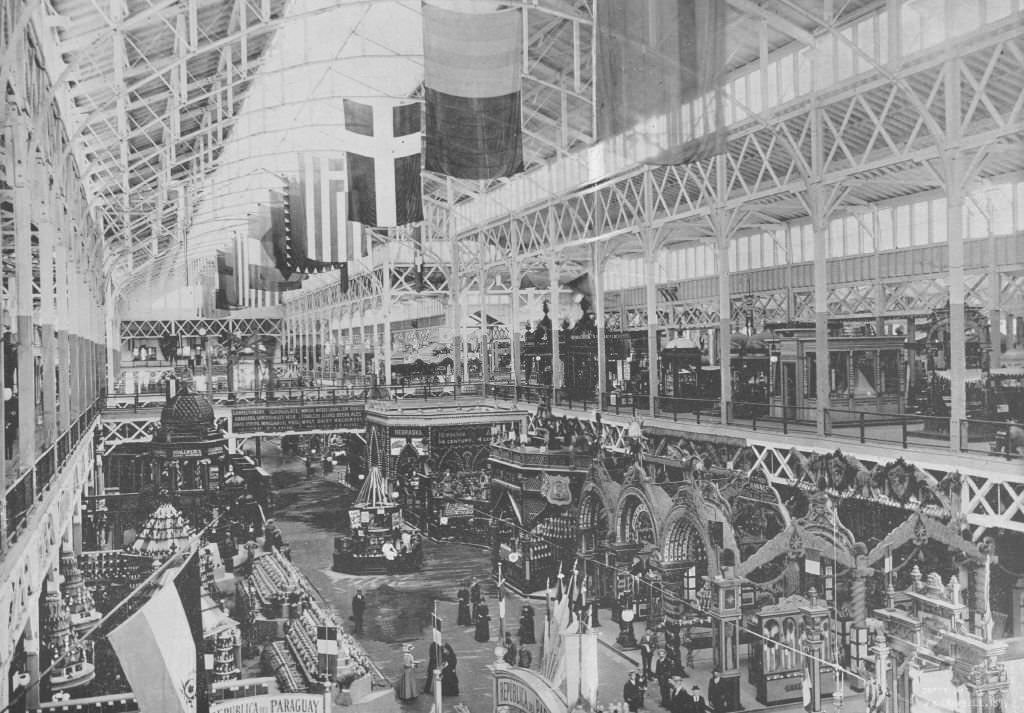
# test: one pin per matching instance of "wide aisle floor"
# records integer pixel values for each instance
(311, 512)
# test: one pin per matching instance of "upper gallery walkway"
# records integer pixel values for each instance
(989, 484)
(972, 437)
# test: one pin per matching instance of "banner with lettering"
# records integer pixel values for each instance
(275, 703)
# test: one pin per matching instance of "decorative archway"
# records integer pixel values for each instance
(635, 522)
(593, 523)
(685, 542)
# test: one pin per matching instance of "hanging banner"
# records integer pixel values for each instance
(277, 703)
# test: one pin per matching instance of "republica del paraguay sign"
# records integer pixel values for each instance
(277, 703)
(522, 690)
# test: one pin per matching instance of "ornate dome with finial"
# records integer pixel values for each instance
(186, 416)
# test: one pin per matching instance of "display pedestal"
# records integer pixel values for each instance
(357, 691)
(380, 701)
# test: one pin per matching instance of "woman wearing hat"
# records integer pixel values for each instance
(406, 688)
(465, 618)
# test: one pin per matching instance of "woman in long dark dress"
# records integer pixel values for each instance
(526, 627)
(464, 614)
(483, 624)
(433, 662)
(449, 678)
(476, 596)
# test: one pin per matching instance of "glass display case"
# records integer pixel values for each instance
(777, 665)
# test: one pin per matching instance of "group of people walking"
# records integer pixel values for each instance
(675, 696)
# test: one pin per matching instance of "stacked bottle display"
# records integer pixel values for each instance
(280, 663)
(225, 662)
(303, 647)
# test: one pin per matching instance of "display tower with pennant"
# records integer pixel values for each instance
(378, 538)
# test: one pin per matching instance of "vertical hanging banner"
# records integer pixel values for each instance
(472, 76)
(319, 235)
(660, 69)
(266, 229)
(227, 280)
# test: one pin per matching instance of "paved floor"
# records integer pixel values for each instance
(310, 512)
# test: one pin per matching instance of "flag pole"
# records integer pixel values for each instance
(435, 640)
(501, 606)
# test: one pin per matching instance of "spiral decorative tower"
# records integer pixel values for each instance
(71, 659)
(76, 594)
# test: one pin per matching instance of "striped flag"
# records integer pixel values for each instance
(435, 623)
(383, 163)
(319, 236)
(327, 648)
(472, 76)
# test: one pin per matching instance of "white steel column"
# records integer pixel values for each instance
(823, 385)
(955, 175)
(483, 350)
(386, 309)
(24, 168)
(816, 205)
(723, 228)
(597, 260)
(515, 346)
(62, 321)
(556, 327)
(995, 288)
(722, 238)
(47, 312)
(651, 292)
(454, 283)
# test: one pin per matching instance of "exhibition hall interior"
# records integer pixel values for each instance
(512, 356)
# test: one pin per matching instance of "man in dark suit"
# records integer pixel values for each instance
(633, 692)
(693, 702)
(678, 697)
(358, 608)
(718, 699)
(662, 670)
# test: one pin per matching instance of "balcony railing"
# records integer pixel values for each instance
(540, 457)
(901, 430)
(25, 490)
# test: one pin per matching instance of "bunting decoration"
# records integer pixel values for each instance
(472, 76)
